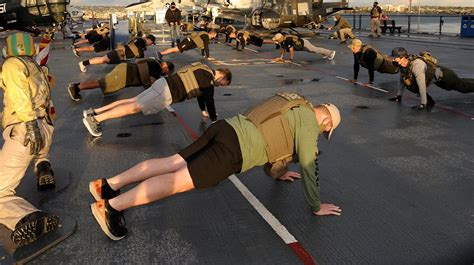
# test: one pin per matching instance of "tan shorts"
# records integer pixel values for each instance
(155, 98)
(115, 80)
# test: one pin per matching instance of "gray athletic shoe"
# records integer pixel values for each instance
(333, 54)
(88, 113)
(92, 126)
(82, 67)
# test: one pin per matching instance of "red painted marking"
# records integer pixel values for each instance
(188, 129)
(297, 248)
(304, 256)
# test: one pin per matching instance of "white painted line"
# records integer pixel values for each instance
(360, 84)
(255, 51)
(266, 215)
(296, 64)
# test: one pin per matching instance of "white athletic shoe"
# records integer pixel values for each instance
(82, 67)
(76, 53)
(333, 54)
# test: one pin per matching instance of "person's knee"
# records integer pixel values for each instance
(135, 106)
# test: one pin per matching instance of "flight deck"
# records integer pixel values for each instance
(403, 178)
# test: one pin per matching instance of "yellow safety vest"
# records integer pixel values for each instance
(38, 105)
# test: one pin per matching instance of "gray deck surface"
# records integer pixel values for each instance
(404, 179)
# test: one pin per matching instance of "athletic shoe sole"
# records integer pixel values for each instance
(31, 231)
(93, 191)
(90, 129)
(100, 220)
(46, 182)
(82, 67)
(71, 94)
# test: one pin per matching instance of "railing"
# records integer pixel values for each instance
(414, 24)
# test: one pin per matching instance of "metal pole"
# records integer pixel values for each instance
(409, 25)
(353, 18)
(419, 11)
(163, 31)
(441, 22)
(360, 22)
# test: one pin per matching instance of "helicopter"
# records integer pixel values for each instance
(274, 14)
(28, 15)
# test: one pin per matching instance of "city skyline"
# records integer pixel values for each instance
(355, 3)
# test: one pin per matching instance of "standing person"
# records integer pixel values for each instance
(173, 17)
(27, 133)
(198, 40)
(269, 134)
(293, 43)
(375, 18)
(418, 71)
(341, 28)
(134, 49)
(140, 73)
(195, 80)
(368, 57)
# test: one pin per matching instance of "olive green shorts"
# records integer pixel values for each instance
(115, 80)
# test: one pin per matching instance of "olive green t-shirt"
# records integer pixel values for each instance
(304, 128)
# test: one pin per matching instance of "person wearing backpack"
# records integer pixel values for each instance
(269, 134)
(418, 71)
(194, 80)
(292, 43)
(368, 57)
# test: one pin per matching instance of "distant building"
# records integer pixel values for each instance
(402, 8)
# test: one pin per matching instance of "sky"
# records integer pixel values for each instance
(466, 3)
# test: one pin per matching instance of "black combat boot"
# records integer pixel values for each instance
(45, 176)
(32, 227)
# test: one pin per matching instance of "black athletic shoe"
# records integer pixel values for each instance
(101, 190)
(396, 99)
(111, 221)
(44, 176)
(73, 91)
(419, 107)
(32, 227)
